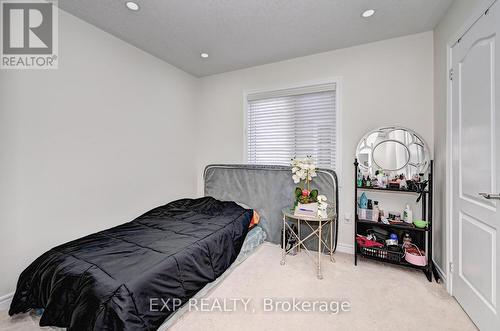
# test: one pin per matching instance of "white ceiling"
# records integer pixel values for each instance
(244, 33)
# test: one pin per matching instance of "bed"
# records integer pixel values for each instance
(106, 281)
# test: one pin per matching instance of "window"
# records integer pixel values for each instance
(293, 123)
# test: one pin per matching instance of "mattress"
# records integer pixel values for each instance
(106, 281)
(255, 237)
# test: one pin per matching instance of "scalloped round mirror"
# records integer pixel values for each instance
(393, 150)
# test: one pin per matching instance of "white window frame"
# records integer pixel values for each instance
(338, 108)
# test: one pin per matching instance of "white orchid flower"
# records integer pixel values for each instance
(303, 169)
(321, 198)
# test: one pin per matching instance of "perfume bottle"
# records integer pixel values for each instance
(408, 215)
(359, 178)
(376, 212)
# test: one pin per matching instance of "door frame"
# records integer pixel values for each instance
(476, 15)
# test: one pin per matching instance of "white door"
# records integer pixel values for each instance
(476, 169)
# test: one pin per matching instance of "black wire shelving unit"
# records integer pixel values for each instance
(422, 236)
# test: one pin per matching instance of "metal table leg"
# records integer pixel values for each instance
(320, 276)
(332, 259)
(283, 254)
(300, 244)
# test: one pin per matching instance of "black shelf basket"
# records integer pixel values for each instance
(383, 254)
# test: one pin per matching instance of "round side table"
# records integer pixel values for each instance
(310, 221)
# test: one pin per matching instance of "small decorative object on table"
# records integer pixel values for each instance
(307, 202)
(322, 206)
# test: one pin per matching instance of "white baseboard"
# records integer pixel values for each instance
(5, 301)
(345, 248)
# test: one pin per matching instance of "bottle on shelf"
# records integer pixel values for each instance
(406, 240)
(359, 178)
(376, 212)
(408, 215)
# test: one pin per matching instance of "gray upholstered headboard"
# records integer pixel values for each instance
(265, 188)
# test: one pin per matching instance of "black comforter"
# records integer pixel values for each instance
(119, 279)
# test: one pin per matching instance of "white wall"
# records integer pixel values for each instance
(383, 83)
(101, 140)
(456, 17)
(93, 144)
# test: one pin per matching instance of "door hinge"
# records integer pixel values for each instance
(451, 74)
(452, 268)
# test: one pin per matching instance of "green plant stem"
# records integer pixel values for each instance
(307, 180)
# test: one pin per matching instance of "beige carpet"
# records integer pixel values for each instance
(382, 297)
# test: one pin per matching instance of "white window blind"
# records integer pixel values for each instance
(291, 123)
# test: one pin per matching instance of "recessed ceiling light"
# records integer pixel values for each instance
(368, 13)
(132, 5)
(204, 55)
